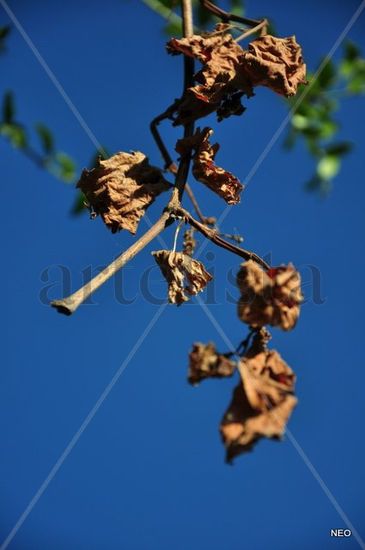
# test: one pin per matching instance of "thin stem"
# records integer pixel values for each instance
(262, 25)
(71, 303)
(226, 16)
(213, 235)
(204, 219)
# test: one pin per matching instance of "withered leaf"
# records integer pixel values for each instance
(219, 79)
(229, 71)
(242, 425)
(276, 63)
(222, 182)
(266, 379)
(269, 297)
(206, 362)
(121, 188)
(178, 268)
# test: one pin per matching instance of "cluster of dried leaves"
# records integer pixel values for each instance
(121, 188)
(229, 71)
(263, 400)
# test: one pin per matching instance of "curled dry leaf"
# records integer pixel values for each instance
(206, 362)
(262, 403)
(266, 379)
(276, 63)
(220, 81)
(222, 182)
(242, 426)
(229, 72)
(121, 188)
(269, 297)
(177, 268)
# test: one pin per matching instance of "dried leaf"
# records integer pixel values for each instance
(206, 362)
(242, 426)
(177, 267)
(219, 79)
(229, 72)
(222, 182)
(269, 297)
(121, 188)
(276, 63)
(266, 379)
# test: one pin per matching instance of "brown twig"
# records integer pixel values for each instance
(208, 220)
(261, 26)
(214, 236)
(71, 303)
(226, 16)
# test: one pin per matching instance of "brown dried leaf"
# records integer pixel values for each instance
(121, 188)
(222, 182)
(229, 72)
(242, 426)
(269, 297)
(177, 267)
(276, 63)
(219, 79)
(206, 362)
(266, 379)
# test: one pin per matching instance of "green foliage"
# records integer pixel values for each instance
(4, 32)
(314, 120)
(8, 108)
(46, 138)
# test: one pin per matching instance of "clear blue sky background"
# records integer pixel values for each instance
(149, 472)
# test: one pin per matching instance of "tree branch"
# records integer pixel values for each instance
(213, 235)
(71, 303)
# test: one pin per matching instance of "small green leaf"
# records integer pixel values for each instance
(351, 51)
(300, 122)
(46, 138)
(66, 166)
(327, 129)
(328, 167)
(15, 134)
(339, 149)
(8, 108)
(78, 206)
(4, 31)
(327, 75)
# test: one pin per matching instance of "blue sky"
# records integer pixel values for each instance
(149, 471)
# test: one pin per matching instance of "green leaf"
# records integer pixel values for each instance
(327, 129)
(300, 122)
(339, 149)
(174, 28)
(78, 206)
(15, 134)
(237, 7)
(351, 51)
(4, 31)
(328, 167)
(66, 167)
(327, 75)
(46, 138)
(8, 108)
